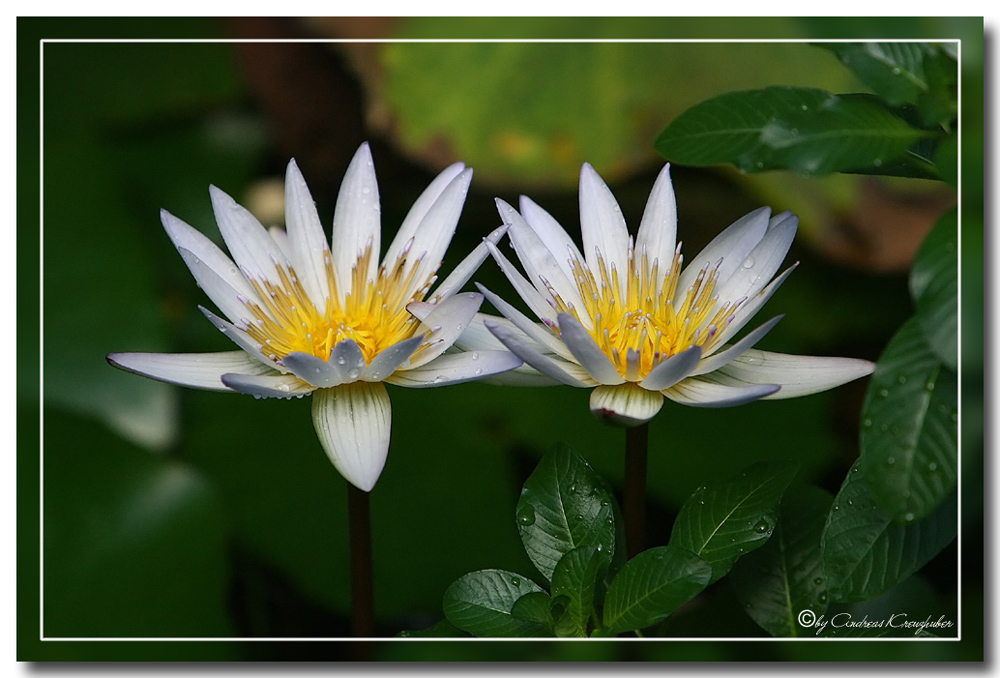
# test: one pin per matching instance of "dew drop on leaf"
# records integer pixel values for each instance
(761, 527)
(526, 515)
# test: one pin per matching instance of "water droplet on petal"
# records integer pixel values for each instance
(748, 262)
(475, 355)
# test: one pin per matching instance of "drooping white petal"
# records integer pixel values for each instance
(455, 368)
(798, 375)
(730, 353)
(185, 237)
(240, 338)
(195, 370)
(732, 246)
(586, 352)
(657, 236)
(672, 370)
(625, 405)
(226, 298)
(761, 263)
(602, 226)
(552, 234)
(704, 391)
(356, 220)
(390, 359)
(538, 304)
(248, 241)
(562, 371)
(283, 386)
(468, 266)
(749, 308)
(539, 334)
(307, 243)
(419, 210)
(353, 422)
(311, 369)
(445, 323)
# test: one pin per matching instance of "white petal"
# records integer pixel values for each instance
(523, 376)
(707, 392)
(761, 263)
(353, 423)
(468, 266)
(732, 246)
(226, 298)
(446, 322)
(419, 210)
(539, 334)
(552, 234)
(240, 338)
(538, 304)
(477, 338)
(347, 358)
(284, 386)
(356, 220)
(717, 360)
(248, 241)
(307, 243)
(560, 370)
(186, 237)
(587, 352)
(625, 405)
(657, 236)
(602, 226)
(309, 368)
(750, 307)
(672, 370)
(454, 368)
(390, 359)
(798, 375)
(195, 370)
(540, 264)
(280, 239)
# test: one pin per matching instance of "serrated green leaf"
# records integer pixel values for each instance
(564, 504)
(443, 629)
(804, 130)
(720, 523)
(482, 603)
(576, 578)
(934, 286)
(865, 553)
(909, 431)
(785, 577)
(652, 585)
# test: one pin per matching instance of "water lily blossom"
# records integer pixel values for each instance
(324, 318)
(625, 319)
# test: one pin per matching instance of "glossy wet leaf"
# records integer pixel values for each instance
(575, 580)
(534, 607)
(777, 582)
(909, 431)
(721, 522)
(934, 286)
(809, 131)
(481, 603)
(894, 70)
(564, 504)
(652, 585)
(866, 553)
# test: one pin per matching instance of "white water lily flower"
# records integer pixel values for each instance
(312, 317)
(624, 319)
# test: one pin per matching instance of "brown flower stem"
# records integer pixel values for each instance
(362, 599)
(636, 446)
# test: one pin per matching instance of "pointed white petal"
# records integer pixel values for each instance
(455, 368)
(706, 392)
(280, 239)
(761, 263)
(672, 370)
(732, 246)
(353, 423)
(538, 304)
(477, 338)
(356, 220)
(523, 376)
(311, 369)
(750, 307)
(185, 237)
(798, 375)
(551, 233)
(657, 235)
(226, 298)
(717, 360)
(283, 386)
(390, 360)
(586, 352)
(468, 266)
(240, 338)
(625, 405)
(602, 225)
(445, 323)
(348, 360)
(564, 372)
(194, 370)
(307, 245)
(248, 241)
(539, 334)
(419, 210)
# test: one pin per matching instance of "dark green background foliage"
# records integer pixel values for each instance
(171, 513)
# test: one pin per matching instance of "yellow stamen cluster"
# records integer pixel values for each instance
(646, 325)
(373, 312)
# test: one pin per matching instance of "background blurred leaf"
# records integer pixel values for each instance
(934, 286)
(481, 603)
(909, 438)
(809, 131)
(443, 629)
(785, 576)
(719, 523)
(865, 553)
(575, 578)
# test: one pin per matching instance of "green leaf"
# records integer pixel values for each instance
(482, 603)
(934, 286)
(564, 504)
(865, 553)
(443, 629)
(534, 607)
(894, 70)
(721, 522)
(652, 585)
(909, 432)
(804, 130)
(785, 577)
(575, 579)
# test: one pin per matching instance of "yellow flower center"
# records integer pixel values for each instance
(373, 312)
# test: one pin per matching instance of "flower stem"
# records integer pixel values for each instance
(362, 600)
(636, 446)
